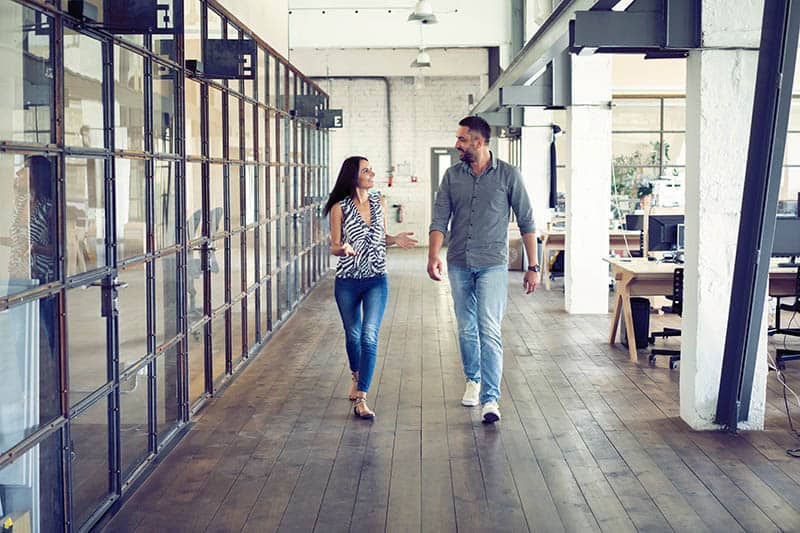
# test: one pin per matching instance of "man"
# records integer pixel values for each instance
(475, 196)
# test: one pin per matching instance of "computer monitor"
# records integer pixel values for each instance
(786, 242)
(634, 222)
(662, 233)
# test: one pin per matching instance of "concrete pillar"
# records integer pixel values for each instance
(536, 136)
(588, 185)
(719, 104)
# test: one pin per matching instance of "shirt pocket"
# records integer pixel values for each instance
(498, 200)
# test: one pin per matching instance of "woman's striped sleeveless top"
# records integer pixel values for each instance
(369, 241)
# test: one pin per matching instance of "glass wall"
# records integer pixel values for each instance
(649, 158)
(151, 244)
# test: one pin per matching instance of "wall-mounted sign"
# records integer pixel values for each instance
(331, 118)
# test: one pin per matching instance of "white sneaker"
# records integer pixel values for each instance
(490, 412)
(471, 393)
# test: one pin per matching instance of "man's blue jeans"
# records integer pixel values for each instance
(479, 295)
(361, 334)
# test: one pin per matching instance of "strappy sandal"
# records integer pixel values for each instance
(361, 410)
(354, 387)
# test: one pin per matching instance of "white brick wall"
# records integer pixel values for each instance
(425, 114)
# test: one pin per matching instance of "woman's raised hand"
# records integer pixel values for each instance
(404, 239)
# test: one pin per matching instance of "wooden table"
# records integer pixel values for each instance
(555, 240)
(639, 277)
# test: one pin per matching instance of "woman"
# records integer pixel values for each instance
(359, 239)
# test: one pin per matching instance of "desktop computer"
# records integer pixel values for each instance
(662, 232)
(786, 242)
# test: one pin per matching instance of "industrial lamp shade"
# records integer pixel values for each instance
(423, 13)
(423, 60)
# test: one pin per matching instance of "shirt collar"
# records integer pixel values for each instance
(492, 163)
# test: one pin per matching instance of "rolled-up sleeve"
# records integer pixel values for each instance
(442, 209)
(521, 204)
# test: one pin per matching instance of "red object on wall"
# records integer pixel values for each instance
(391, 178)
(413, 179)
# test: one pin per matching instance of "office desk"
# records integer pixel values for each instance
(639, 277)
(555, 240)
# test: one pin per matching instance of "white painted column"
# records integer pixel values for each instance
(588, 186)
(536, 136)
(719, 104)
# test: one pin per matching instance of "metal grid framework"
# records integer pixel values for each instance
(232, 238)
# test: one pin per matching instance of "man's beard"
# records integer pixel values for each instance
(467, 157)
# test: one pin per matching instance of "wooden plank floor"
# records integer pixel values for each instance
(588, 441)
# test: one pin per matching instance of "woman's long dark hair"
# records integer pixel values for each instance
(346, 182)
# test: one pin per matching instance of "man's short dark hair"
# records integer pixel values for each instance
(477, 124)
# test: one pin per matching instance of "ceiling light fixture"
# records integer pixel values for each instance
(423, 13)
(423, 60)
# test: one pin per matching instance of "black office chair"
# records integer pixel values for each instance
(788, 354)
(677, 308)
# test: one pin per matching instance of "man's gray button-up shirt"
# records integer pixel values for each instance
(481, 203)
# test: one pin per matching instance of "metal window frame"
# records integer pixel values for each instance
(287, 208)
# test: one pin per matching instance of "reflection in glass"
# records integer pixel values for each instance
(272, 134)
(192, 118)
(29, 364)
(167, 326)
(163, 109)
(129, 176)
(86, 348)
(85, 217)
(263, 76)
(191, 29)
(194, 285)
(28, 236)
(236, 265)
(264, 295)
(236, 333)
(263, 154)
(218, 347)
(251, 322)
(233, 128)
(33, 485)
(133, 420)
(217, 196)
(214, 25)
(128, 100)
(168, 412)
(197, 384)
(28, 75)
(250, 195)
(249, 153)
(263, 240)
(218, 275)
(164, 200)
(89, 455)
(83, 90)
(280, 87)
(251, 258)
(132, 315)
(215, 123)
(194, 201)
(235, 182)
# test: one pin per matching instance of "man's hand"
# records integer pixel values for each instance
(529, 282)
(435, 270)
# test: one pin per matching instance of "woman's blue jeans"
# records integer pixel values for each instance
(361, 304)
(479, 297)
